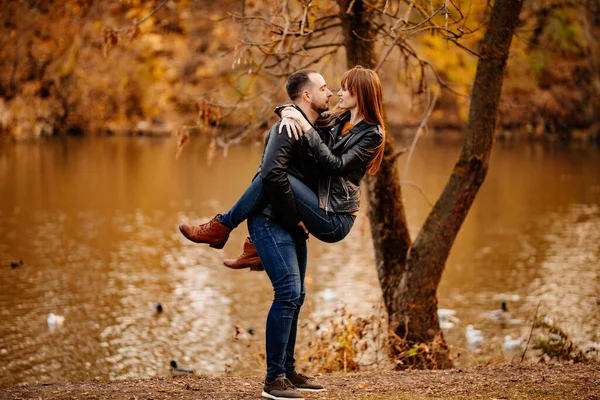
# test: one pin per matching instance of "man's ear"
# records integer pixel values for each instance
(306, 96)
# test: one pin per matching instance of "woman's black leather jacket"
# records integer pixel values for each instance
(342, 161)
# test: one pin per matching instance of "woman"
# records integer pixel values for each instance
(351, 144)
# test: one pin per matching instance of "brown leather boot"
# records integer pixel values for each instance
(213, 232)
(249, 258)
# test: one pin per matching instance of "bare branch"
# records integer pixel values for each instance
(395, 156)
(141, 21)
(412, 184)
(418, 134)
(428, 19)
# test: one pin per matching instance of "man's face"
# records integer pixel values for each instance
(319, 93)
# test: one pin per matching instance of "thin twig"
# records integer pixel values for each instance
(397, 154)
(531, 331)
(387, 53)
(416, 138)
(136, 23)
(419, 188)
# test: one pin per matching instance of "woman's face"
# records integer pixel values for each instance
(347, 100)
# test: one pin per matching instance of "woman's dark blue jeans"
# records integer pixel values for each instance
(326, 226)
(283, 254)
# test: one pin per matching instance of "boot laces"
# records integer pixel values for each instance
(207, 227)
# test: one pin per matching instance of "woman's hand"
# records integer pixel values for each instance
(301, 124)
(293, 129)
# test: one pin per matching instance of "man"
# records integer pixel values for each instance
(279, 236)
(281, 242)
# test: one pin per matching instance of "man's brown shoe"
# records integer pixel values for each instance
(213, 232)
(281, 389)
(304, 383)
(249, 258)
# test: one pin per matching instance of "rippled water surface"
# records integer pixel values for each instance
(94, 222)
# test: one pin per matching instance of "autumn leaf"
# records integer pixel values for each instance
(133, 32)
(182, 138)
(208, 114)
(111, 39)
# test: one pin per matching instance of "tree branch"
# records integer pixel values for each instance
(418, 134)
(141, 21)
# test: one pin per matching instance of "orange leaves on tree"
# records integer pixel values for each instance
(132, 33)
(183, 138)
(208, 114)
(111, 39)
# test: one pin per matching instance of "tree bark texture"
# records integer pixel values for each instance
(409, 274)
(416, 297)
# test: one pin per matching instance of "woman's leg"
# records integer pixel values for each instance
(251, 202)
(326, 226)
(216, 231)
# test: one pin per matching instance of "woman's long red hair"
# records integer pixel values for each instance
(364, 83)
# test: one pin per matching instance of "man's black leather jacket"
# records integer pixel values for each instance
(342, 161)
(282, 156)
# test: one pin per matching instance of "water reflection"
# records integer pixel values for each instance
(95, 223)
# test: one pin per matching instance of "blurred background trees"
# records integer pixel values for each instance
(57, 75)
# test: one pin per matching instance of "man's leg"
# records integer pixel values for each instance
(302, 382)
(277, 250)
(301, 254)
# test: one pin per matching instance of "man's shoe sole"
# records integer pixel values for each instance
(270, 396)
(311, 390)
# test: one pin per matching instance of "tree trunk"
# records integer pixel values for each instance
(409, 276)
(391, 238)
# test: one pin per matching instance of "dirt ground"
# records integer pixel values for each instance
(503, 381)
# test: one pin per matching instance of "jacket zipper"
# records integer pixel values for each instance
(329, 181)
(327, 198)
(345, 188)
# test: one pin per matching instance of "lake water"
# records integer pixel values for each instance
(95, 223)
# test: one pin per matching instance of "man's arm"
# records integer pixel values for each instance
(274, 173)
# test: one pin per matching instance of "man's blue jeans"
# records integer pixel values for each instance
(326, 226)
(283, 255)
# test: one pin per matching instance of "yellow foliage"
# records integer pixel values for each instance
(184, 51)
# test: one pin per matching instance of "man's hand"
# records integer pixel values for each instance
(301, 225)
(293, 129)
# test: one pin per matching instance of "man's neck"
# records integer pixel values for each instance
(310, 113)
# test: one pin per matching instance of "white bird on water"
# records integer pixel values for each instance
(447, 318)
(474, 336)
(55, 320)
(329, 295)
(511, 344)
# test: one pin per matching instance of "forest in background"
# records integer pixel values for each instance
(62, 71)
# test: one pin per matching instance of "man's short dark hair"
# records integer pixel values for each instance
(297, 82)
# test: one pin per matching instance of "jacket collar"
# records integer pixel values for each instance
(356, 129)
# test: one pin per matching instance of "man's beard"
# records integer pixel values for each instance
(319, 108)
